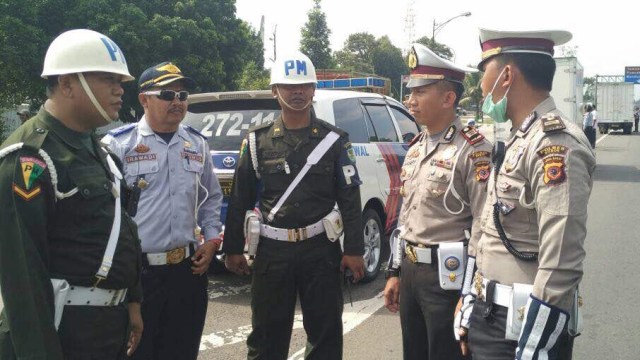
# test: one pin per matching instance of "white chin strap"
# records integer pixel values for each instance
(287, 104)
(95, 102)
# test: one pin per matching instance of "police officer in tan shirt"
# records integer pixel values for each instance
(530, 253)
(444, 187)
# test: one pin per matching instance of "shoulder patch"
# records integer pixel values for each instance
(122, 129)
(472, 135)
(194, 131)
(552, 122)
(416, 139)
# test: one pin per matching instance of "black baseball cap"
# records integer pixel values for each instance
(163, 74)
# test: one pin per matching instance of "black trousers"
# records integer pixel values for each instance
(426, 314)
(590, 133)
(487, 342)
(635, 122)
(94, 332)
(174, 308)
(282, 272)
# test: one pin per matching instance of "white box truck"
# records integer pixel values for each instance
(614, 100)
(567, 88)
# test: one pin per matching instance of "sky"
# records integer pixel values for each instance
(606, 37)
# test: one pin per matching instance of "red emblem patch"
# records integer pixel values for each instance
(141, 148)
(554, 173)
(483, 170)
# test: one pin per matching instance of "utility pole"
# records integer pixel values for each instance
(273, 38)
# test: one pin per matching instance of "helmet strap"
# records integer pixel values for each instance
(287, 104)
(93, 99)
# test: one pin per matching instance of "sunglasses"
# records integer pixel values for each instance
(169, 95)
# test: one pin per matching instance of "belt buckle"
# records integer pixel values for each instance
(477, 283)
(296, 235)
(411, 253)
(175, 256)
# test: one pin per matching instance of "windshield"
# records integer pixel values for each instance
(226, 123)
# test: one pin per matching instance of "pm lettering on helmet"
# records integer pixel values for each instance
(348, 171)
(300, 67)
(113, 50)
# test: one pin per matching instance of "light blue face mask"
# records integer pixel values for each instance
(497, 111)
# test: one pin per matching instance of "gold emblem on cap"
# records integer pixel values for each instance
(412, 61)
(170, 68)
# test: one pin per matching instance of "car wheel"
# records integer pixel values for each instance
(373, 234)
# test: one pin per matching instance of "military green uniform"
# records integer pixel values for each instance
(44, 238)
(310, 268)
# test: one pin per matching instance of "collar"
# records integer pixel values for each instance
(70, 137)
(277, 130)
(145, 130)
(544, 107)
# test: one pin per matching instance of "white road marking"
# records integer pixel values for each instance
(602, 137)
(351, 318)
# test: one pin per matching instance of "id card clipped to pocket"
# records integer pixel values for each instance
(451, 265)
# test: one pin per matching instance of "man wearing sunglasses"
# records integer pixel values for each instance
(178, 215)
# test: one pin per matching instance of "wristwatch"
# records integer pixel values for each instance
(391, 273)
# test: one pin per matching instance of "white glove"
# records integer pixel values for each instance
(463, 316)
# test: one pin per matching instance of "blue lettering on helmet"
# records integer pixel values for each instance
(300, 66)
(113, 50)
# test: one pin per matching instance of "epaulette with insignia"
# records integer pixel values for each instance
(331, 127)
(122, 129)
(264, 125)
(190, 129)
(451, 132)
(552, 122)
(472, 135)
(416, 139)
(36, 138)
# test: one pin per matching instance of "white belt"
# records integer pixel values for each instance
(170, 257)
(90, 296)
(501, 295)
(293, 235)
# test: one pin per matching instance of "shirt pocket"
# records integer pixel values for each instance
(274, 176)
(193, 166)
(146, 168)
(322, 171)
(436, 182)
(519, 219)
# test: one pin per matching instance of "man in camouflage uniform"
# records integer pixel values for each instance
(444, 187)
(530, 253)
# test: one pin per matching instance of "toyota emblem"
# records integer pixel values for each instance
(229, 162)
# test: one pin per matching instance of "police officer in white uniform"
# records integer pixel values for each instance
(178, 214)
(530, 254)
(444, 179)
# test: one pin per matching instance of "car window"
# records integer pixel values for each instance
(408, 126)
(349, 117)
(382, 123)
(226, 123)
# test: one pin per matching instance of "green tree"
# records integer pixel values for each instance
(388, 62)
(203, 37)
(441, 50)
(589, 95)
(315, 38)
(472, 96)
(254, 78)
(357, 53)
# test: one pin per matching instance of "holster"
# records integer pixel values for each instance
(333, 225)
(515, 313)
(252, 221)
(60, 290)
(451, 265)
(574, 328)
(131, 199)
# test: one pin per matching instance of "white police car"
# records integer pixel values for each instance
(379, 128)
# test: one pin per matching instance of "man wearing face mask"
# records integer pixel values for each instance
(444, 178)
(179, 213)
(69, 253)
(524, 302)
(297, 168)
